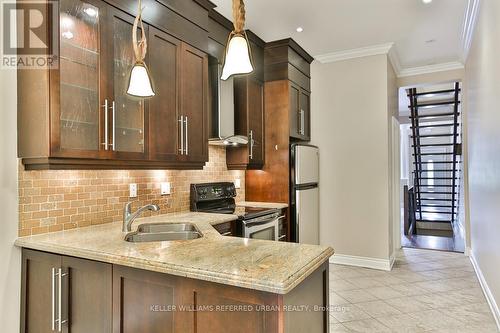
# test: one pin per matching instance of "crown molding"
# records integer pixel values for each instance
(394, 59)
(390, 50)
(354, 53)
(468, 25)
(447, 66)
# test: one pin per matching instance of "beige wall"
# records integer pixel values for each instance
(10, 256)
(350, 125)
(483, 98)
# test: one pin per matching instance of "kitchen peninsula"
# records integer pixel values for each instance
(234, 284)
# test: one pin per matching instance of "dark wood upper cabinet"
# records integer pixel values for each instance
(305, 115)
(76, 95)
(299, 113)
(249, 119)
(294, 107)
(194, 103)
(75, 291)
(249, 113)
(178, 113)
(248, 96)
(126, 125)
(79, 115)
(164, 117)
(286, 60)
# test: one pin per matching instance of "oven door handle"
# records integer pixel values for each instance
(251, 223)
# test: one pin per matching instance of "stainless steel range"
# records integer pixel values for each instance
(253, 222)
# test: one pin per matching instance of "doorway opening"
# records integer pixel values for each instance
(431, 167)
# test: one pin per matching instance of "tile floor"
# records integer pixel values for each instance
(427, 291)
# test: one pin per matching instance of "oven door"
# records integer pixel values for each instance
(265, 227)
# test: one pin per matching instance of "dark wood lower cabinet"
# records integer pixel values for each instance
(36, 289)
(88, 294)
(144, 301)
(81, 288)
(99, 297)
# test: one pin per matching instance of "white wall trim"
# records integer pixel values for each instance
(468, 251)
(447, 66)
(354, 53)
(390, 50)
(486, 290)
(394, 59)
(392, 260)
(366, 262)
(468, 25)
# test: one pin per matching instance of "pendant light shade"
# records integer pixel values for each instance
(238, 56)
(139, 83)
(237, 59)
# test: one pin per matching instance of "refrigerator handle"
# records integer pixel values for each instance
(297, 217)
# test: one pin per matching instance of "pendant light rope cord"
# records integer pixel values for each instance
(239, 16)
(141, 46)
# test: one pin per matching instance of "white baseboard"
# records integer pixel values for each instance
(468, 251)
(366, 262)
(392, 261)
(486, 290)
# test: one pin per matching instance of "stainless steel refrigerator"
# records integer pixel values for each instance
(304, 203)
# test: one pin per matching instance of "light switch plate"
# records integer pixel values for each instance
(237, 183)
(133, 190)
(164, 188)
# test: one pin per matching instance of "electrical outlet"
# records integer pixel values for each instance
(164, 188)
(237, 183)
(133, 190)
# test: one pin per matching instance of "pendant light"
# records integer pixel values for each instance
(140, 84)
(238, 58)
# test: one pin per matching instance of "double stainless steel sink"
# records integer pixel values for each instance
(160, 232)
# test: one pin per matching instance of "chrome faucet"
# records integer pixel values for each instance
(129, 217)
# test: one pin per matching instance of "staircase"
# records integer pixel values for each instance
(436, 149)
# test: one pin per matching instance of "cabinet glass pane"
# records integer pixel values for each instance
(79, 75)
(129, 112)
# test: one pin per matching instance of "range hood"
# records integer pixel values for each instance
(222, 131)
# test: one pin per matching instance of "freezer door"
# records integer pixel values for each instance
(306, 165)
(307, 215)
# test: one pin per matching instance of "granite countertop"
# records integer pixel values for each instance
(275, 267)
(276, 205)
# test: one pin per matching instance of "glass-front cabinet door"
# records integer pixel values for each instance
(77, 103)
(126, 123)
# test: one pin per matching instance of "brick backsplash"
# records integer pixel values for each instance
(55, 200)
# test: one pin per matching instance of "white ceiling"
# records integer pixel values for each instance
(339, 25)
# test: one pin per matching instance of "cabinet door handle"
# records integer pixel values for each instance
(59, 320)
(53, 299)
(106, 107)
(186, 133)
(251, 144)
(113, 108)
(181, 121)
(227, 233)
(302, 121)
